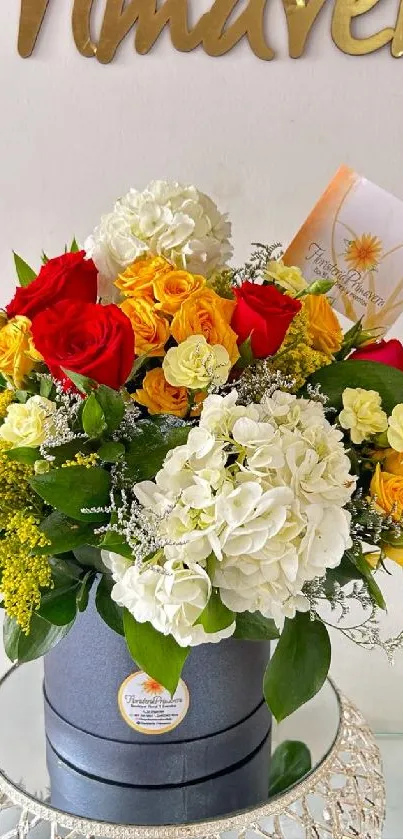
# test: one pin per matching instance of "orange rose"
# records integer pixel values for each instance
(18, 355)
(174, 287)
(205, 313)
(160, 397)
(392, 461)
(138, 279)
(151, 331)
(324, 328)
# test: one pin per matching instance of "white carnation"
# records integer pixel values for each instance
(169, 219)
(171, 599)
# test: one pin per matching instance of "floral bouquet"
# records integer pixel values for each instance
(202, 446)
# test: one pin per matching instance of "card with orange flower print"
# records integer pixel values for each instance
(354, 236)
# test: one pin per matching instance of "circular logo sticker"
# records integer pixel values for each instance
(148, 707)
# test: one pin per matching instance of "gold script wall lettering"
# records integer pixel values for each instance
(212, 31)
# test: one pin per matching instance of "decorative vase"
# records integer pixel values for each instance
(120, 750)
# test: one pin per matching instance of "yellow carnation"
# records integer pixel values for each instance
(205, 313)
(28, 424)
(138, 279)
(289, 277)
(17, 352)
(160, 397)
(196, 365)
(395, 430)
(324, 328)
(173, 288)
(362, 414)
(151, 331)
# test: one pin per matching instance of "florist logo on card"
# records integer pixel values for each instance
(350, 280)
(217, 30)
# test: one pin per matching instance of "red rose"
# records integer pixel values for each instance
(385, 352)
(96, 341)
(265, 314)
(69, 275)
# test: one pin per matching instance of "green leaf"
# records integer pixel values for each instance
(70, 490)
(59, 606)
(3, 382)
(24, 454)
(299, 665)
(93, 418)
(25, 273)
(90, 557)
(137, 366)
(112, 452)
(372, 586)
(65, 569)
(42, 637)
(68, 451)
(109, 611)
(290, 762)
(252, 626)
(153, 439)
(74, 248)
(64, 533)
(112, 405)
(160, 656)
(370, 375)
(84, 591)
(246, 355)
(11, 637)
(216, 616)
(45, 386)
(82, 383)
(117, 544)
(44, 258)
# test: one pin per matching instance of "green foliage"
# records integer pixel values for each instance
(370, 375)
(153, 439)
(93, 417)
(82, 383)
(64, 533)
(74, 248)
(90, 557)
(109, 611)
(59, 605)
(25, 273)
(112, 405)
(299, 665)
(158, 655)
(216, 616)
(72, 489)
(24, 454)
(290, 762)
(252, 626)
(246, 358)
(116, 543)
(112, 452)
(42, 637)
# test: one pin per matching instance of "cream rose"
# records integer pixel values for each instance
(395, 430)
(362, 413)
(289, 277)
(196, 365)
(28, 424)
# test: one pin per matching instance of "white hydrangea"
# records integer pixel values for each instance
(166, 218)
(263, 489)
(171, 599)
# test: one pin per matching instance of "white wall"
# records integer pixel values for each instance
(262, 138)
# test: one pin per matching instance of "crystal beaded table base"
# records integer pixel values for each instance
(343, 798)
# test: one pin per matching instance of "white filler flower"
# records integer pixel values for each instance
(169, 219)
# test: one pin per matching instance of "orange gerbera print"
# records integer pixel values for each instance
(363, 252)
(153, 687)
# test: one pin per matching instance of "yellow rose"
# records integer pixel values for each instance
(362, 414)
(160, 397)
(173, 288)
(324, 328)
(395, 430)
(138, 279)
(18, 355)
(205, 313)
(288, 276)
(28, 424)
(151, 331)
(387, 491)
(196, 365)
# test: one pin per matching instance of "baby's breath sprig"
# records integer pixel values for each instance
(260, 381)
(253, 270)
